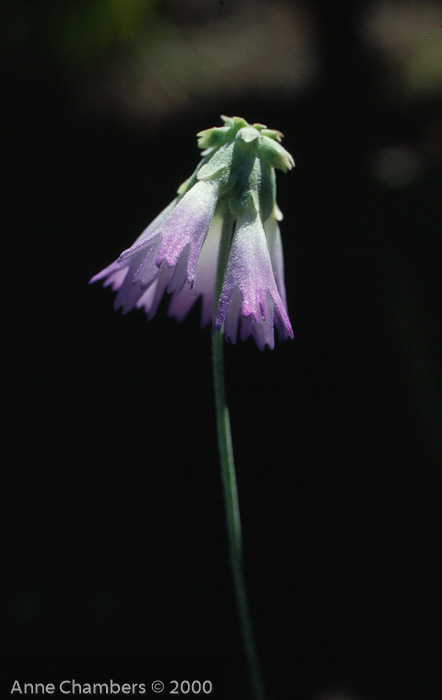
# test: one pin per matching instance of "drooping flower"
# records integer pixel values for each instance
(228, 204)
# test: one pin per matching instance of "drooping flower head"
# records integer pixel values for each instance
(219, 240)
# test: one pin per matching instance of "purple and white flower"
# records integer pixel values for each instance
(232, 194)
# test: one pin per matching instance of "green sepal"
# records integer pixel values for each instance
(266, 191)
(248, 134)
(219, 135)
(219, 160)
(277, 213)
(237, 122)
(213, 137)
(244, 179)
(274, 154)
(271, 133)
(187, 184)
(193, 179)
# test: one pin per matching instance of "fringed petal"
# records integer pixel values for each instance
(179, 276)
(113, 275)
(181, 303)
(135, 269)
(116, 279)
(233, 316)
(151, 297)
(205, 279)
(249, 271)
(261, 332)
(148, 234)
(188, 224)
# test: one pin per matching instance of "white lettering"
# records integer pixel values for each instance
(33, 688)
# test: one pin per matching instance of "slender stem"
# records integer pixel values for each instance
(229, 478)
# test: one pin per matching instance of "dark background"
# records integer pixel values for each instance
(115, 548)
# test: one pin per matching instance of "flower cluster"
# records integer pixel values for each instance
(219, 240)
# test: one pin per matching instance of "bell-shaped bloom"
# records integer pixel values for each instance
(231, 194)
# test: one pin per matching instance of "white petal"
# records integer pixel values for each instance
(274, 243)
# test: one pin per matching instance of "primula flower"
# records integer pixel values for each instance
(227, 204)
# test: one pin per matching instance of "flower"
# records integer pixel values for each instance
(218, 238)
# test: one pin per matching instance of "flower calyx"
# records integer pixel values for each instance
(242, 157)
(263, 141)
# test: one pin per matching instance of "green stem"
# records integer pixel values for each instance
(229, 477)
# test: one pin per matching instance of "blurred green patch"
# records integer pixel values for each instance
(408, 37)
(150, 59)
(81, 31)
(92, 28)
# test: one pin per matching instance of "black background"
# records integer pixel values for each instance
(116, 553)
